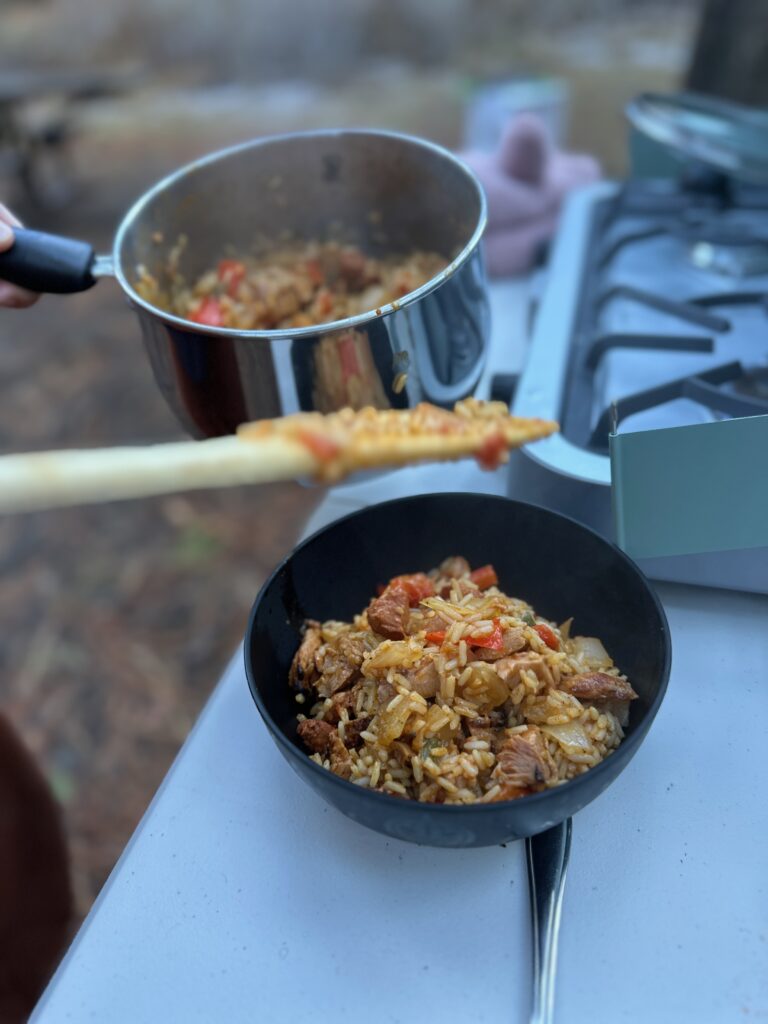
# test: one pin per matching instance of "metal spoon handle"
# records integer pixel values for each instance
(547, 856)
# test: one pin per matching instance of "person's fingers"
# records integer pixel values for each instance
(6, 236)
(8, 217)
(12, 297)
(7, 223)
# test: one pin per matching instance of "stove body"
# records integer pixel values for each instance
(651, 335)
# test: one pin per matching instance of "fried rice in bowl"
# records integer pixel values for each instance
(457, 669)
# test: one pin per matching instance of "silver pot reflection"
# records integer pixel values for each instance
(383, 191)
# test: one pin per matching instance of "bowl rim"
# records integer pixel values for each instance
(135, 212)
(626, 750)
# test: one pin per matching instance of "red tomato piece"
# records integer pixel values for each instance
(208, 312)
(231, 273)
(547, 635)
(324, 302)
(322, 447)
(494, 640)
(315, 272)
(484, 577)
(348, 356)
(416, 585)
(490, 452)
(437, 637)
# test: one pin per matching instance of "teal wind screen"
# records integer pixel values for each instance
(686, 490)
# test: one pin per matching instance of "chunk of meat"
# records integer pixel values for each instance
(510, 668)
(384, 693)
(388, 614)
(303, 670)
(353, 729)
(352, 267)
(513, 640)
(606, 692)
(477, 731)
(352, 648)
(454, 567)
(282, 291)
(523, 761)
(493, 720)
(341, 762)
(426, 620)
(424, 678)
(342, 699)
(336, 673)
(316, 734)
(590, 686)
(487, 727)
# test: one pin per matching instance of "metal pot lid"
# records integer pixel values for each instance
(724, 135)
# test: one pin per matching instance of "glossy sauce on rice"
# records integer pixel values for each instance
(447, 690)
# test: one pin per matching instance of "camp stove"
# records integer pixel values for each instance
(650, 347)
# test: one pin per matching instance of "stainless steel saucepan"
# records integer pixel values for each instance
(386, 192)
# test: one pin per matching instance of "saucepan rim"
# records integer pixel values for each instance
(583, 782)
(138, 208)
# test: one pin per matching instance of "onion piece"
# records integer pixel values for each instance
(485, 687)
(592, 651)
(391, 722)
(392, 654)
(571, 736)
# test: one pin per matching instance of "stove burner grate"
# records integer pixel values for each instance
(702, 387)
(688, 311)
(660, 342)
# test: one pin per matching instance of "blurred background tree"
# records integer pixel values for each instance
(730, 55)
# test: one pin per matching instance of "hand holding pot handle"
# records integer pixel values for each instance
(10, 295)
(34, 261)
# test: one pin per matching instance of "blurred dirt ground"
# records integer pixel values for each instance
(116, 621)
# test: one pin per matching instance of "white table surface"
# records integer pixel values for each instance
(243, 897)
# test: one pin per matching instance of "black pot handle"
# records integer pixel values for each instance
(48, 263)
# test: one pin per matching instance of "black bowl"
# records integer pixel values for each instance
(559, 566)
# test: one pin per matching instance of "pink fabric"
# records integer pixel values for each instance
(525, 182)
